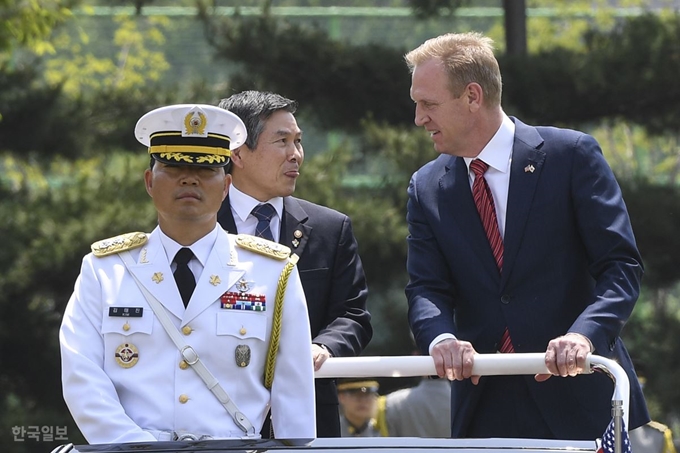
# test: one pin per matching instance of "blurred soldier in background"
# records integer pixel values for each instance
(358, 408)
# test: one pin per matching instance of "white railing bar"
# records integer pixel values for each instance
(485, 365)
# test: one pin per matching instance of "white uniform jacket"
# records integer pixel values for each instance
(112, 403)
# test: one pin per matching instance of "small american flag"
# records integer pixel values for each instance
(606, 445)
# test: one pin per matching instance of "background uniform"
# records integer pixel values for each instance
(359, 408)
(369, 429)
(420, 411)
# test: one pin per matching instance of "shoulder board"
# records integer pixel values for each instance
(658, 426)
(263, 246)
(117, 244)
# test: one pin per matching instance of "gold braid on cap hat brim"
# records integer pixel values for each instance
(199, 156)
(172, 146)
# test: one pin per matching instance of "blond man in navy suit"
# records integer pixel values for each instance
(570, 270)
(124, 380)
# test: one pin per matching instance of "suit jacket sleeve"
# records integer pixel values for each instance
(347, 329)
(606, 232)
(430, 286)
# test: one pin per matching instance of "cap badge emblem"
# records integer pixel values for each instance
(195, 123)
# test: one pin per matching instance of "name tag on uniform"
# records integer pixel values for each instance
(126, 312)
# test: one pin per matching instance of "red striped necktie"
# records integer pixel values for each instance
(487, 213)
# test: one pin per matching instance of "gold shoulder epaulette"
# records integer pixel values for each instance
(263, 246)
(120, 243)
(658, 426)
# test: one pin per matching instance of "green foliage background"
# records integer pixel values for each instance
(75, 77)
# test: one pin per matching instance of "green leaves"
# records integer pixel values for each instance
(28, 23)
(628, 72)
(49, 215)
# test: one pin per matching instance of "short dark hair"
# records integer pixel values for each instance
(254, 108)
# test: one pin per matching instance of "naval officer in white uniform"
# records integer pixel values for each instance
(124, 378)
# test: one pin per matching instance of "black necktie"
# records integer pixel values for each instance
(183, 276)
(264, 213)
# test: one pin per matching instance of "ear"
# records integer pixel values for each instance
(227, 183)
(148, 181)
(237, 156)
(474, 95)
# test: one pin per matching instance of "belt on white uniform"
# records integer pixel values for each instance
(162, 435)
(174, 435)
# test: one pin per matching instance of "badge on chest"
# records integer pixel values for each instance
(242, 355)
(127, 355)
(243, 299)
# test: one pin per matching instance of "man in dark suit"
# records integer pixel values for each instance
(264, 171)
(536, 254)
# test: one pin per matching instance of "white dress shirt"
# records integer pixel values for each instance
(498, 155)
(201, 250)
(242, 205)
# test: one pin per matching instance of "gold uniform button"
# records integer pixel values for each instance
(186, 330)
(242, 331)
(126, 327)
(183, 399)
(183, 365)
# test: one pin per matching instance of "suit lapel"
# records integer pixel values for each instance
(219, 274)
(294, 230)
(456, 205)
(527, 165)
(226, 218)
(153, 271)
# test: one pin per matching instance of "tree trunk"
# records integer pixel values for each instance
(515, 27)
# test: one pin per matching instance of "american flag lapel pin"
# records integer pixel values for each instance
(529, 168)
